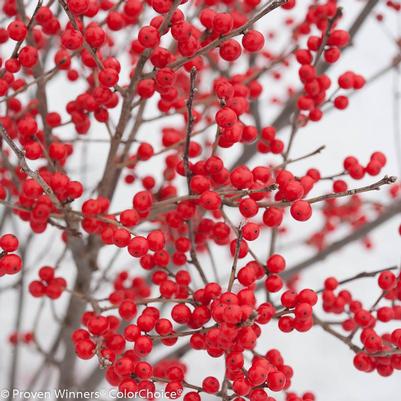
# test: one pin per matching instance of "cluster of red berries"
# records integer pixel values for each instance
(123, 297)
(35, 206)
(235, 94)
(33, 139)
(28, 55)
(395, 5)
(301, 306)
(373, 355)
(315, 86)
(49, 285)
(236, 329)
(25, 338)
(291, 189)
(269, 143)
(10, 263)
(98, 102)
(125, 288)
(352, 166)
(269, 368)
(353, 211)
(348, 80)
(384, 365)
(207, 176)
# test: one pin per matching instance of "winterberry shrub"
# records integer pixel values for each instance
(170, 245)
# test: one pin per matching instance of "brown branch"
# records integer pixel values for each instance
(19, 316)
(327, 328)
(73, 22)
(363, 275)
(372, 187)
(85, 255)
(190, 123)
(38, 73)
(271, 6)
(326, 35)
(31, 173)
(185, 158)
(297, 159)
(235, 261)
(111, 170)
(283, 117)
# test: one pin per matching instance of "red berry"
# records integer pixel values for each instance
(108, 77)
(301, 210)
(17, 30)
(253, 41)
(9, 242)
(387, 280)
(276, 263)
(85, 349)
(222, 23)
(226, 117)
(149, 36)
(230, 50)
(341, 102)
(276, 381)
(210, 385)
